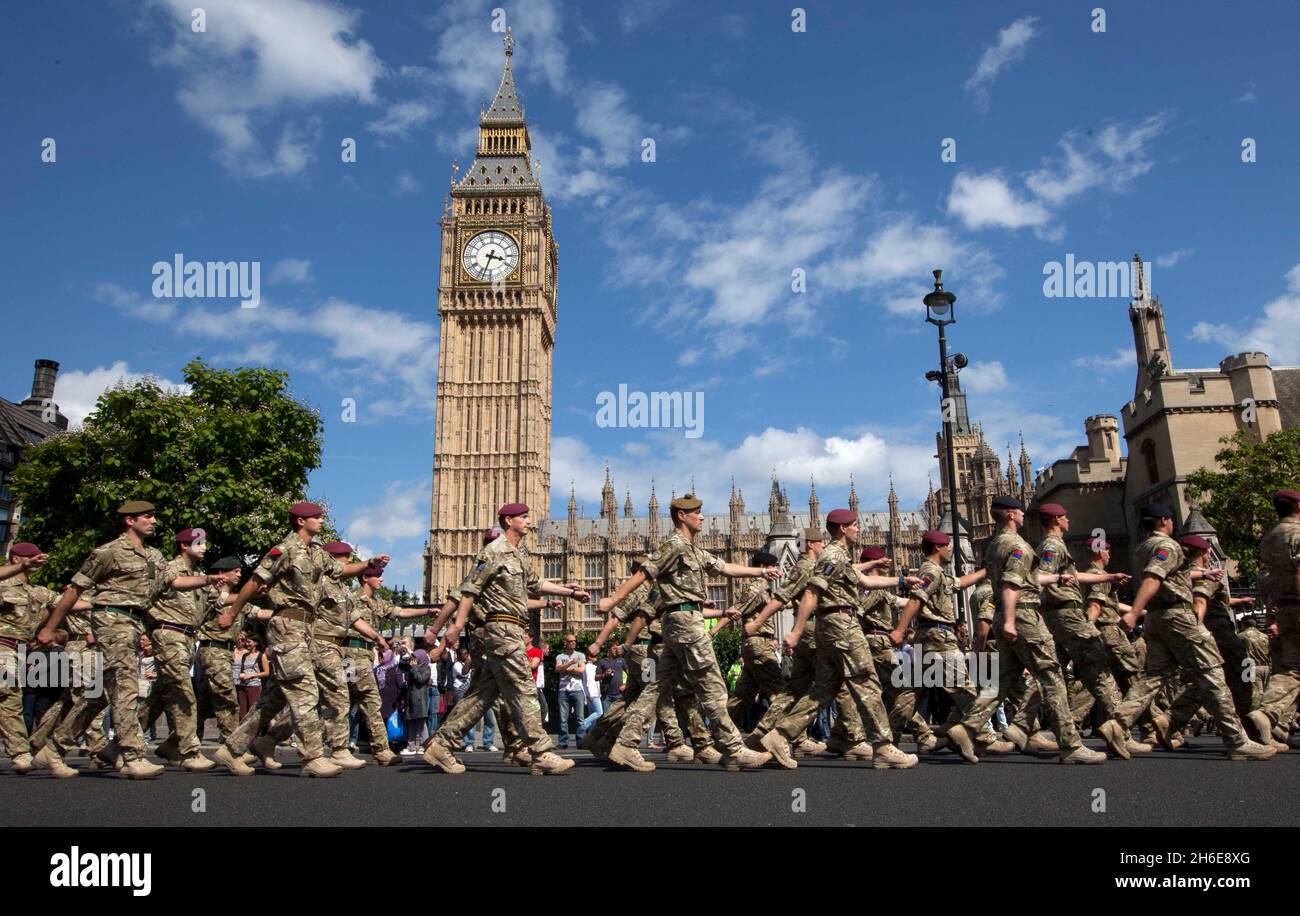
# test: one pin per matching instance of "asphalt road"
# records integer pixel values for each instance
(1194, 787)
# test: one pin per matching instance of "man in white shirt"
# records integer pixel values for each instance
(570, 667)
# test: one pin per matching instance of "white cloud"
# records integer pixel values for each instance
(469, 55)
(984, 378)
(76, 390)
(1247, 96)
(407, 183)
(1009, 48)
(1276, 332)
(1120, 359)
(401, 512)
(290, 270)
(986, 200)
(1172, 259)
(634, 14)
(401, 118)
(255, 61)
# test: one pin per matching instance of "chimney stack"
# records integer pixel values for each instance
(42, 397)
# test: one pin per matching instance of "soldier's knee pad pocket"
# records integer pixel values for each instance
(290, 663)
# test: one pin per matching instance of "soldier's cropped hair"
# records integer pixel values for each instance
(1000, 515)
(1150, 524)
(834, 530)
(762, 558)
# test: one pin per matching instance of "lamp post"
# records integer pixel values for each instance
(941, 311)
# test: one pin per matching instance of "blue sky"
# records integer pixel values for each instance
(775, 150)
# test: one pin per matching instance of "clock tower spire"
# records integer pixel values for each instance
(497, 289)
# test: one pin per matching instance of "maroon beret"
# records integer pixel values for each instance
(306, 510)
(372, 572)
(1194, 542)
(509, 510)
(1055, 510)
(936, 538)
(190, 535)
(841, 517)
(339, 548)
(25, 549)
(872, 553)
(491, 535)
(1287, 494)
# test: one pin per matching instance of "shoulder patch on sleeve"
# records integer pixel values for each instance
(1161, 554)
(275, 552)
(1017, 554)
(1049, 555)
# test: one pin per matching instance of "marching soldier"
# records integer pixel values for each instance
(843, 659)
(23, 607)
(1279, 557)
(678, 569)
(761, 674)
(1175, 638)
(502, 580)
(292, 571)
(127, 578)
(217, 647)
(174, 618)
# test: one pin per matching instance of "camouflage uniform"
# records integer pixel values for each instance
(1279, 555)
(1222, 624)
(217, 662)
(1064, 610)
(1175, 638)
(1121, 652)
(501, 580)
(936, 637)
(1258, 652)
(175, 617)
(80, 653)
(1011, 561)
(294, 572)
(803, 662)
(22, 608)
(127, 580)
(761, 674)
(329, 638)
(678, 568)
(358, 654)
(843, 659)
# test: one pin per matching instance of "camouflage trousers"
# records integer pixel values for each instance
(686, 656)
(117, 636)
(505, 673)
(293, 687)
(74, 696)
(901, 718)
(1080, 641)
(803, 673)
(173, 693)
(363, 690)
(13, 728)
(935, 642)
(1033, 648)
(1239, 670)
(335, 673)
(642, 663)
(843, 662)
(1279, 700)
(217, 665)
(510, 740)
(760, 676)
(1175, 638)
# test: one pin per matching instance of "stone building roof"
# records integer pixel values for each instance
(1286, 379)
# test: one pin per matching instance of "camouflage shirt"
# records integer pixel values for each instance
(295, 571)
(209, 629)
(334, 610)
(679, 568)
(502, 579)
(835, 579)
(982, 601)
(791, 588)
(122, 575)
(1104, 594)
(753, 597)
(186, 608)
(936, 592)
(1054, 557)
(877, 609)
(1011, 561)
(372, 609)
(22, 607)
(1218, 604)
(1279, 555)
(1160, 556)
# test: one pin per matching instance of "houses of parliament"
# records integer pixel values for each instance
(497, 305)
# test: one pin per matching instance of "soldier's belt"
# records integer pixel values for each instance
(1065, 606)
(358, 643)
(332, 640)
(227, 644)
(179, 628)
(1174, 606)
(836, 609)
(10, 643)
(507, 618)
(296, 613)
(134, 613)
(930, 624)
(876, 631)
(684, 606)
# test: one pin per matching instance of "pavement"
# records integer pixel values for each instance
(1196, 786)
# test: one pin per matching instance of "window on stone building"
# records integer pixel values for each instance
(718, 595)
(1153, 466)
(590, 611)
(554, 568)
(594, 567)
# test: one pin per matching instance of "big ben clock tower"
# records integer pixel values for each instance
(496, 307)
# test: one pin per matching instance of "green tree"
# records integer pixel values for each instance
(1236, 498)
(229, 457)
(726, 646)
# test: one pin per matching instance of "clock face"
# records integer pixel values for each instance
(491, 256)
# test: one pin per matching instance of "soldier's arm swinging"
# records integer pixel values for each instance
(1093, 611)
(22, 565)
(971, 578)
(611, 622)
(227, 617)
(806, 605)
(1200, 606)
(981, 637)
(768, 610)
(629, 585)
(904, 619)
(736, 571)
(46, 635)
(634, 630)
(1146, 591)
(1008, 601)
